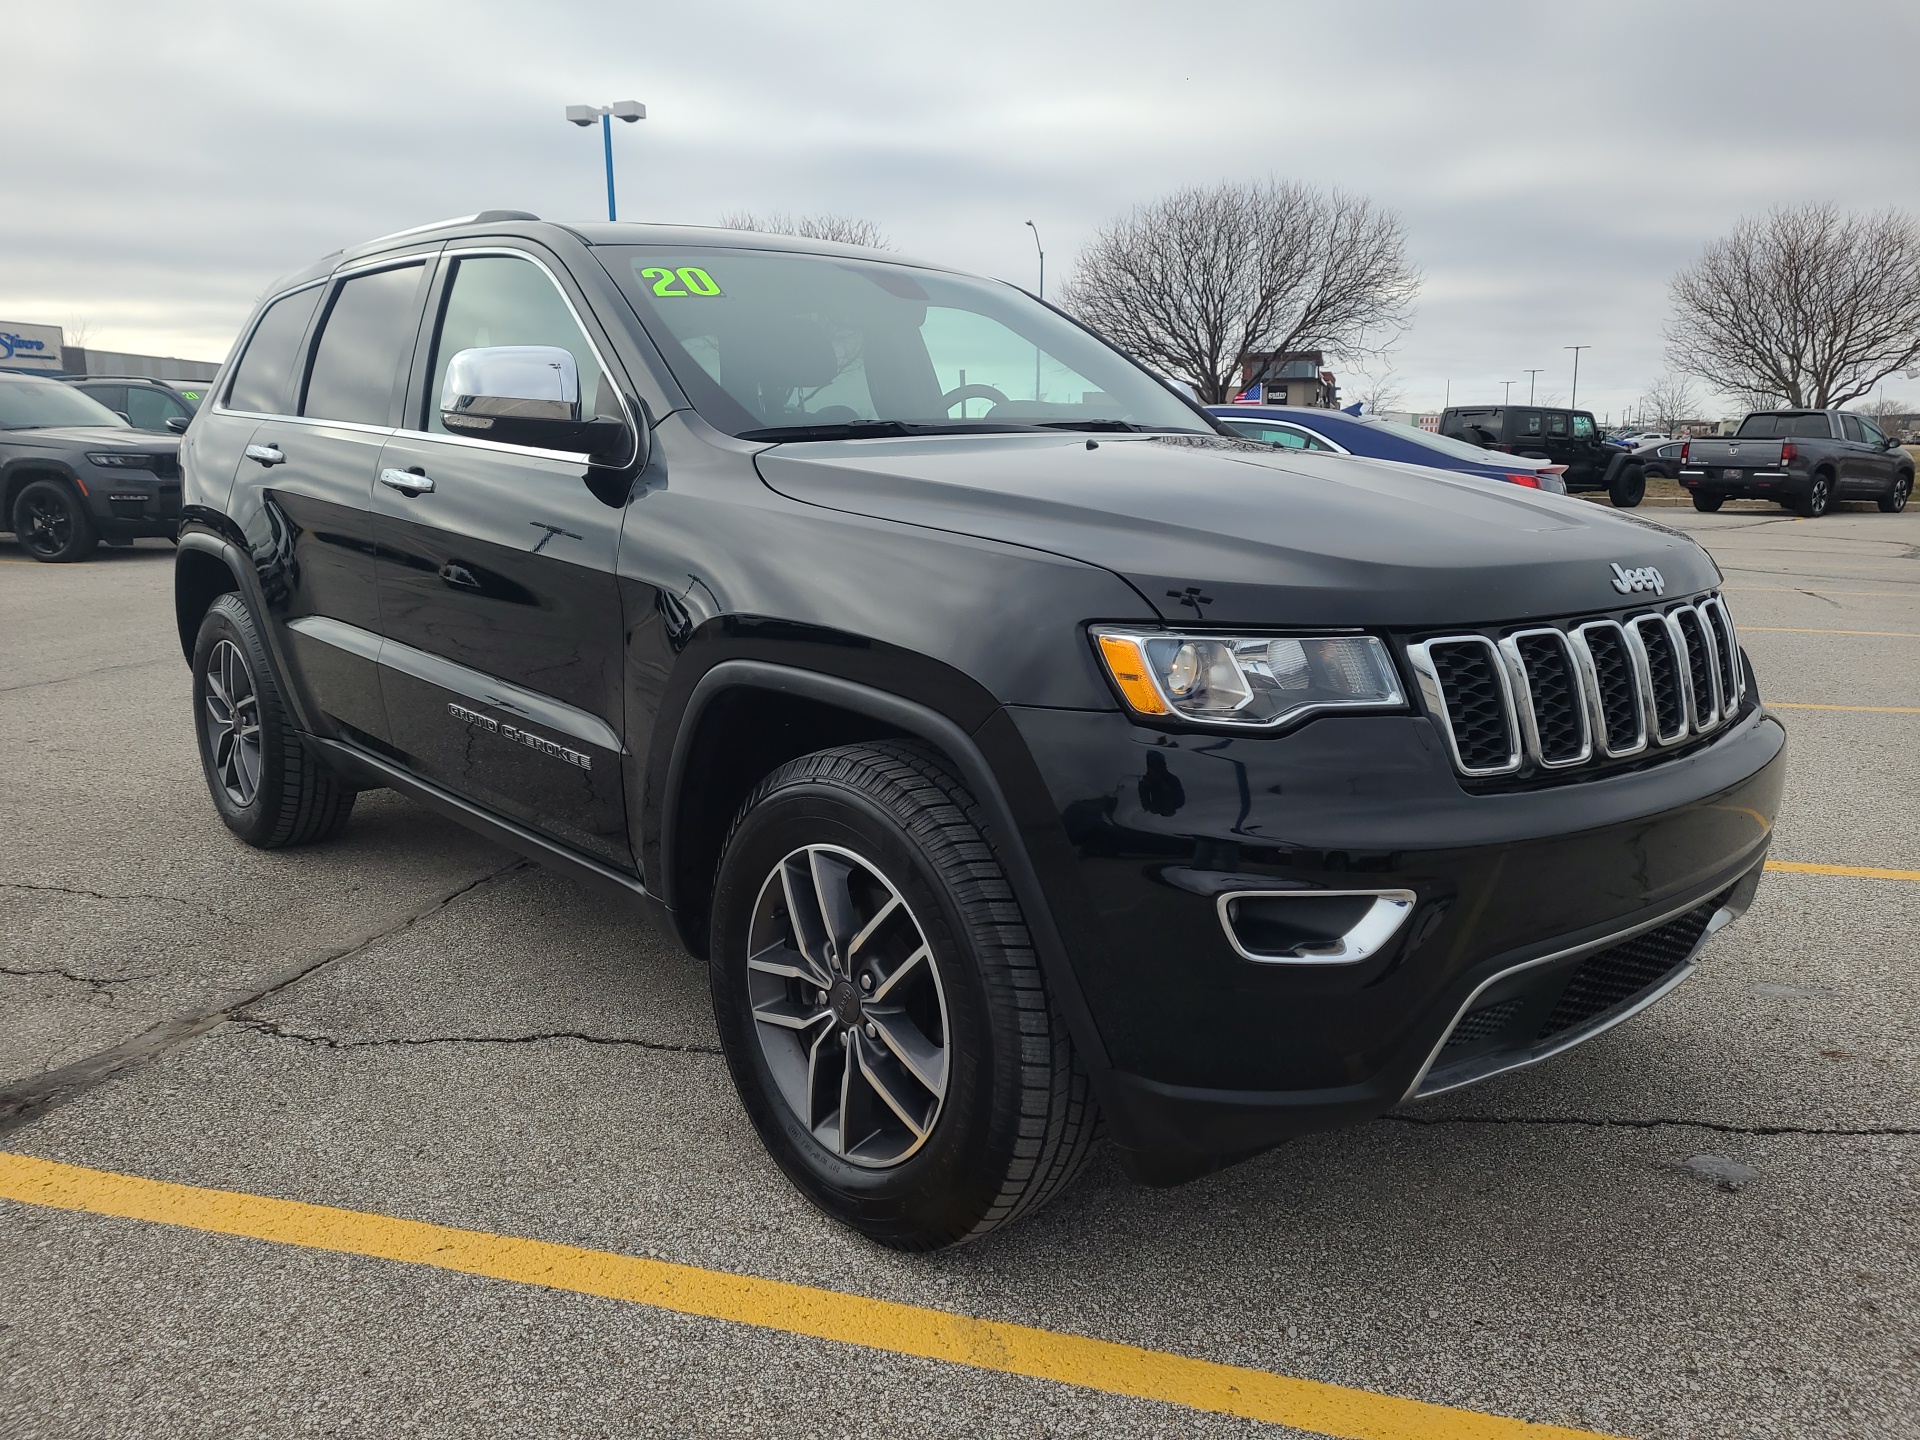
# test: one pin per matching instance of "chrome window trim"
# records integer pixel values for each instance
(1590, 677)
(456, 254)
(1364, 939)
(1643, 673)
(1523, 697)
(1428, 678)
(1715, 924)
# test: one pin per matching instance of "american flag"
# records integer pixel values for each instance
(1251, 395)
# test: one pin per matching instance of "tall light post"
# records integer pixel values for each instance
(1507, 394)
(1530, 378)
(1576, 349)
(1043, 258)
(627, 110)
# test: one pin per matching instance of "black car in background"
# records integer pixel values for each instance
(143, 402)
(1016, 749)
(73, 473)
(1566, 437)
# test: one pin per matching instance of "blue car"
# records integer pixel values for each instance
(1293, 427)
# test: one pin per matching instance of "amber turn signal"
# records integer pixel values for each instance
(1127, 663)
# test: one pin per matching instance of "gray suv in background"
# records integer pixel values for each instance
(73, 473)
(143, 402)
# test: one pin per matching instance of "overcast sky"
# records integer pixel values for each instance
(1555, 164)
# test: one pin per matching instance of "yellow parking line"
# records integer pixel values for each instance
(1868, 709)
(884, 1325)
(1788, 630)
(1868, 872)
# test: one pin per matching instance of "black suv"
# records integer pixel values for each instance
(1017, 749)
(73, 473)
(1566, 437)
(143, 402)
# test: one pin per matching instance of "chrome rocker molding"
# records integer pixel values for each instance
(1364, 938)
(1721, 918)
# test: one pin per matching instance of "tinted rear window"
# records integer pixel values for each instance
(260, 382)
(368, 327)
(1786, 427)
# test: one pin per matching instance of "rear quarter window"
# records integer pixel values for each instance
(262, 379)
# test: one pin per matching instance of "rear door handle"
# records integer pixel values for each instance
(266, 454)
(407, 482)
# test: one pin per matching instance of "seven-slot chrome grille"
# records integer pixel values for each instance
(1560, 695)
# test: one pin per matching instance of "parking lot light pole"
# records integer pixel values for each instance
(1530, 379)
(1506, 396)
(1043, 259)
(627, 110)
(1576, 349)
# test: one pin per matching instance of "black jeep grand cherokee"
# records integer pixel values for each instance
(1020, 752)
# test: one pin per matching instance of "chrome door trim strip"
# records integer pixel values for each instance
(339, 634)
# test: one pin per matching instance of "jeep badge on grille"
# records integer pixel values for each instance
(1645, 578)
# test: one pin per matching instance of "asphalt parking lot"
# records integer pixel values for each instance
(414, 1026)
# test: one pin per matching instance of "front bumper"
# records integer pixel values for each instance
(133, 505)
(1212, 1055)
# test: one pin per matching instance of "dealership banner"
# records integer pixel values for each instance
(31, 347)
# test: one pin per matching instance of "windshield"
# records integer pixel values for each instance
(1458, 449)
(772, 345)
(37, 404)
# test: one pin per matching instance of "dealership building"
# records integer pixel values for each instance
(42, 350)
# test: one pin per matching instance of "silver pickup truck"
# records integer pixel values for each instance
(1804, 459)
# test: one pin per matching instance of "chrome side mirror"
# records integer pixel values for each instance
(527, 395)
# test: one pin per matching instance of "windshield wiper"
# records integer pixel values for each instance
(877, 429)
(1118, 425)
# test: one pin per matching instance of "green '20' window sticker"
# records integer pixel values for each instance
(685, 283)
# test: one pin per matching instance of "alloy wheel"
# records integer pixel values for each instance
(49, 528)
(848, 1006)
(233, 723)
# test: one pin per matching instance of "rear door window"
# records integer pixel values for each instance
(262, 378)
(1530, 423)
(368, 328)
(1850, 427)
(1557, 425)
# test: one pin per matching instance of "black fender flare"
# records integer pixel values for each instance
(1003, 830)
(201, 541)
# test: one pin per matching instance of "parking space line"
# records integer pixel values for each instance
(1790, 630)
(884, 1325)
(1798, 590)
(1864, 709)
(1865, 872)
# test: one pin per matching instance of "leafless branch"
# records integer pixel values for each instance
(1667, 401)
(1805, 307)
(842, 229)
(1195, 282)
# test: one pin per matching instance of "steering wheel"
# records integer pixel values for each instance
(971, 392)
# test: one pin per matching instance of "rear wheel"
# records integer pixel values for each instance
(1895, 500)
(1708, 503)
(881, 1005)
(52, 524)
(268, 790)
(1629, 487)
(1818, 498)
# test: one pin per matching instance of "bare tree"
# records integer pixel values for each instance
(843, 229)
(1381, 391)
(1667, 401)
(1805, 307)
(1890, 415)
(1195, 282)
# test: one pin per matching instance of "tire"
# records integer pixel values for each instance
(1708, 503)
(52, 524)
(1895, 500)
(1818, 498)
(885, 827)
(266, 787)
(1629, 487)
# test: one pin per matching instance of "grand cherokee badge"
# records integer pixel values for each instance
(523, 737)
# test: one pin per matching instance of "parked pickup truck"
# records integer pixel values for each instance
(1805, 459)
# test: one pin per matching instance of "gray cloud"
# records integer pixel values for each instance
(1555, 164)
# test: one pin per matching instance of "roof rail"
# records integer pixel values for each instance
(482, 218)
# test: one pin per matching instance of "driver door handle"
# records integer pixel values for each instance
(268, 455)
(407, 482)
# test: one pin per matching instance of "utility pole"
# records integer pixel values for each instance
(627, 110)
(1576, 349)
(1507, 394)
(1530, 379)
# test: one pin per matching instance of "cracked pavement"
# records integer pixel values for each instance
(1701, 1224)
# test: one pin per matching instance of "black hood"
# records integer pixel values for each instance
(1253, 535)
(93, 437)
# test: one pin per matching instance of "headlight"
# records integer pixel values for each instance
(121, 459)
(1264, 680)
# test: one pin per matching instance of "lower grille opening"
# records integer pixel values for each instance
(1618, 974)
(1482, 1024)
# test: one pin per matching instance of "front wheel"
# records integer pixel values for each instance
(52, 524)
(1818, 497)
(1895, 500)
(267, 789)
(881, 1005)
(1708, 503)
(1629, 487)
